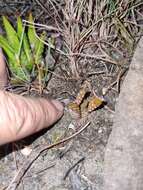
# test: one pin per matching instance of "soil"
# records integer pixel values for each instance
(78, 163)
(49, 170)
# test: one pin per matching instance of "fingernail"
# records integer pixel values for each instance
(58, 105)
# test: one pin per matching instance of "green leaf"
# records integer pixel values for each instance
(7, 49)
(36, 44)
(11, 35)
(13, 61)
(26, 58)
(39, 48)
(19, 27)
(32, 32)
(28, 53)
(19, 73)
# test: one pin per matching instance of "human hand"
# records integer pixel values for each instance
(21, 116)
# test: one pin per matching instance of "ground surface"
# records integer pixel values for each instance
(123, 156)
(51, 171)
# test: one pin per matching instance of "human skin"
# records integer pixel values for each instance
(22, 116)
(3, 73)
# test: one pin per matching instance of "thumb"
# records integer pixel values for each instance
(21, 116)
(3, 72)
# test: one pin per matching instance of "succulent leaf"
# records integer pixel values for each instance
(11, 35)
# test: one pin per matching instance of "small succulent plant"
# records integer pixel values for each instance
(24, 50)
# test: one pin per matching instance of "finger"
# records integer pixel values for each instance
(3, 72)
(20, 116)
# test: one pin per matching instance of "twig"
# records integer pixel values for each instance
(95, 57)
(34, 155)
(96, 73)
(41, 26)
(117, 81)
(71, 168)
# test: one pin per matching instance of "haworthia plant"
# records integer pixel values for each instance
(24, 50)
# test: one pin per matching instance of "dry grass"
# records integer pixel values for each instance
(90, 32)
(102, 30)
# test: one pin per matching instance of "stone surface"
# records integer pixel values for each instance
(123, 167)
